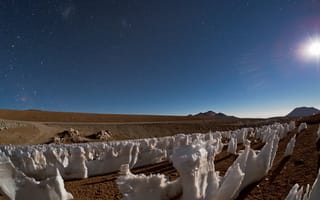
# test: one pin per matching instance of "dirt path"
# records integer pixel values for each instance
(27, 133)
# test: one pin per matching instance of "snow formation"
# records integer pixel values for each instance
(15, 185)
(292, 125)
(256, 166)
(198, 179)
(146, 187)
(302, 127)
(232, 146)
(290, 146)
(313, 194)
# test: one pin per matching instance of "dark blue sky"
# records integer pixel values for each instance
(158, 57)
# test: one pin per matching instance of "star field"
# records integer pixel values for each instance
(158, 57)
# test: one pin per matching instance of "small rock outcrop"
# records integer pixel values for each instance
(103, 135)
(69, 136)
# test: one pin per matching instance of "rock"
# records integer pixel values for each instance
(57, 140)
(101, 135)
(69, 136)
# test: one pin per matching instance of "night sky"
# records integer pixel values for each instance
(240, 57)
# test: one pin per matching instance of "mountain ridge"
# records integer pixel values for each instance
(303, 111)
(209, 113)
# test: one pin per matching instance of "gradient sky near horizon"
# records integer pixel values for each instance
(240, 57)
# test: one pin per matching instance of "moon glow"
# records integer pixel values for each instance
(311, 49)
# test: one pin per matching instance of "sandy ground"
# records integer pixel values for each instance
(38, 127)
(43, 132)
(21, 132)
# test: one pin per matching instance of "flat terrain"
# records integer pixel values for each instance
(48, 116)
(38, 127)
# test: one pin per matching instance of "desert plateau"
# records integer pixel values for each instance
(53, 128)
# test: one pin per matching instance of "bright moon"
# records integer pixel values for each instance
(311, 49)
(314, 48)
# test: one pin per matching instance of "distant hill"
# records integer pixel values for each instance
(303, 112)
(209, 114)
(51, 116)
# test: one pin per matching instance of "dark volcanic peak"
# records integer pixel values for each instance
(221, 114)
(303, 111)
(209, 114)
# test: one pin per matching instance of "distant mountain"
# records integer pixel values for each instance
(221, 115)
(206, 114)
(209, 114)
(303, 111)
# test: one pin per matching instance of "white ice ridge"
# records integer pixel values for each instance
(256, 166)
(146, 187)
(264, 132)
(232, 146)
(15, 185)
(290, 146)
(302, 127)
(198, 179)
(292, 125)
(77, 161)
(313, 194)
